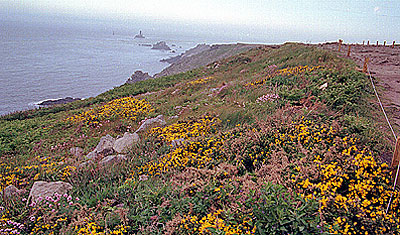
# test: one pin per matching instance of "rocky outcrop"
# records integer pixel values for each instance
(43, 189)
(161, 46)
(58, 101)
(178, 142)
(104, 147)
(112, 159)
(123, 144)
(138, 76)
(10, 191)
(152, 122)
(76, 151)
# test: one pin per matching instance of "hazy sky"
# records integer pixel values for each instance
(352, 19)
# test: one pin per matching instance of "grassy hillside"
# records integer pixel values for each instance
(274, 141)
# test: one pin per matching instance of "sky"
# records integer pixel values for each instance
(321, 20)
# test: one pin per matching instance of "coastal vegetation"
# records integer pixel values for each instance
(275, 140)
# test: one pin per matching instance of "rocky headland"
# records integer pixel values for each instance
(58, 101)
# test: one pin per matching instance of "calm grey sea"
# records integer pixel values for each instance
(44, 61)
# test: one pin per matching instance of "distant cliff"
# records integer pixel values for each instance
(202, 55)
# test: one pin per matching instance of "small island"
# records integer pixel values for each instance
(161, 46)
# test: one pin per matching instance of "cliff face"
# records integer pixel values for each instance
(202, 55)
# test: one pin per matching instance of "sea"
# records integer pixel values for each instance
(50, 60)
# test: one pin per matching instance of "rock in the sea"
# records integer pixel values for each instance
(112, 159)
(76, 151)
(105, 145)
(152, 122)
(10, 191)
(138, 76)
(43, 189)
(161, 46)
(58, 101)
(123, 144)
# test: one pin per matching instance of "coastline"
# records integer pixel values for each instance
(200, 55)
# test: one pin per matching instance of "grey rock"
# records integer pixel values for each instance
(178, 142)
(92, 155)
(323, 86)
(85, 164)
(58, 101)
(161, 46)
(42, 189)
(174, 117)
(112, 159)
(105, 145)
(122, 145)
(76, 151)
(152, 122)
(10, 191)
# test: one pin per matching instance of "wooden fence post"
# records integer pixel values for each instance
(368, 43)
(348, 51)
(384, 43)
(393, 44)
(377, 43)
(340, 44)
(395, 161)
(363, 42)
(365, 68)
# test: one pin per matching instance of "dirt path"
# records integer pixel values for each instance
(384, 64)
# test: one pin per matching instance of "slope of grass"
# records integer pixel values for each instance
(276, 141)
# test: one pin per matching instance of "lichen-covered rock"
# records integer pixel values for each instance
(152, 122)
(105, 145)
(10, 191)
(76, 151)
(178, 142)
(92, 155)
(112, 159)
(123, 144)
(43, 189)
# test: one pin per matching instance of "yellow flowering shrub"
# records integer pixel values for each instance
(186, 129)
(353, 193)
(200, 81)
(124, 108)
(288, 72)
(214, 223)
(196, 154)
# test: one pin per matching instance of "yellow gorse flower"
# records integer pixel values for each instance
(124, 108)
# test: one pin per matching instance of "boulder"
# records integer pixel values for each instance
(178, 142)
(42, 189)
(152, 122)
(10, 191)
(123, 144)
(76, 151)
(323, 86)
(105, 145)
(85, 164)
(92, 155)
(161, 46)
(112, 159)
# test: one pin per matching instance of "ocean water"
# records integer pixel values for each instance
(42, 61)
